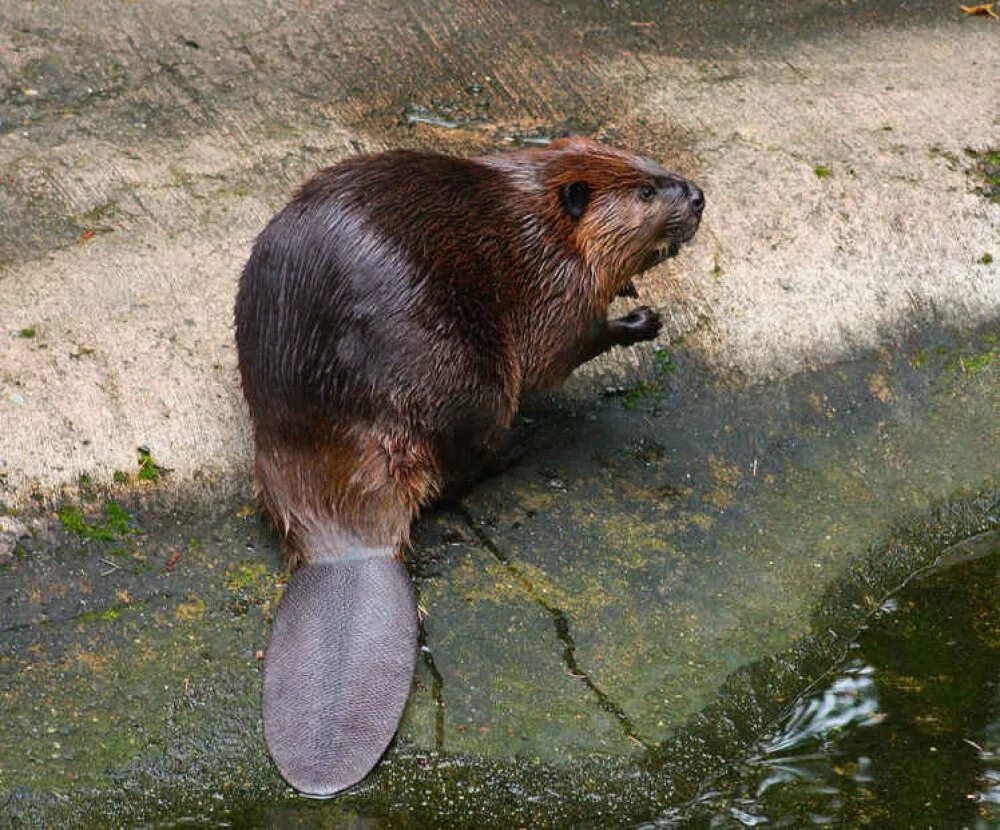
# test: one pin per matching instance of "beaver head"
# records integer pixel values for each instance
(623, 213)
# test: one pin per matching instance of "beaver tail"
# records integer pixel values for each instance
(338, 668)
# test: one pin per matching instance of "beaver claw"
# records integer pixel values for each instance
(628, 290)
(640, 324)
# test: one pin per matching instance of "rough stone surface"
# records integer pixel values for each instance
(144, 145)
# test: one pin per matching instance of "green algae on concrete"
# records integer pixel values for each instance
(107, 692)
(113, 679)
(481, 614)
(668, 595)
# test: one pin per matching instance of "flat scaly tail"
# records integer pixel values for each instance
(338, 668)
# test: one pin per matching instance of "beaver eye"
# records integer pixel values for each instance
(647, 193)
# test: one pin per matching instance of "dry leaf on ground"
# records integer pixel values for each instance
(982, 8)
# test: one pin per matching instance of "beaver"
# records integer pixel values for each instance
(388, 322)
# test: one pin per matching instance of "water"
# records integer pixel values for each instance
(904, 732)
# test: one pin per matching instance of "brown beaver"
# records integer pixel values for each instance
(388, 322)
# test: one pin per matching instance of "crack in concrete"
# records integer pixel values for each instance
(437, 686)
(562, 627)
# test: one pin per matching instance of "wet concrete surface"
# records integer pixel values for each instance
(605, 625)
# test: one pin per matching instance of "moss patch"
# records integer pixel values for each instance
(149, 470)
(115, 526)
(986, 172)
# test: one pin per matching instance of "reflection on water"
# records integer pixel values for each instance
(851, 700)
(795, 755)
(904, 733)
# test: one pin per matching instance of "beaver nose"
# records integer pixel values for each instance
(696, 198)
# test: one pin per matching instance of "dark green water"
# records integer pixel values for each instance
(905, 732)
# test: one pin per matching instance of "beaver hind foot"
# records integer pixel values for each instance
(338, 669)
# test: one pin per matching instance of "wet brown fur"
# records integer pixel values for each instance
(394, 313)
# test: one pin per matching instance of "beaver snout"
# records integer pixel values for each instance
(682, 194)
(685, 203)
(695, 198)
(685, 207)
(688, 198)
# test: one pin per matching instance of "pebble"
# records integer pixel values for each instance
(11, 530)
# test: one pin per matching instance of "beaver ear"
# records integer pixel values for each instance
(575, 197)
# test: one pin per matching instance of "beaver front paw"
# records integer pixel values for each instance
(640, 324)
